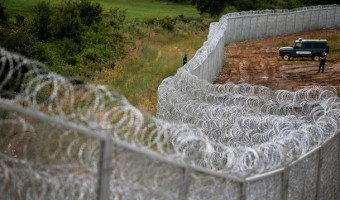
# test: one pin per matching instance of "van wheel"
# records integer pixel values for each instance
(286, 56)
(316, 57)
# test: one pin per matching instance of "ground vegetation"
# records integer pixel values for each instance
(109, 45)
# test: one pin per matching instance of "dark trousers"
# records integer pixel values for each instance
(322, 65)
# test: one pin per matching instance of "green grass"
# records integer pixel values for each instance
(139, 75)
(140, 9)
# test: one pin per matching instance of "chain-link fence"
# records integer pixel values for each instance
(60, 139)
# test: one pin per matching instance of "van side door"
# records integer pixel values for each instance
(306, 50)
(296, 49)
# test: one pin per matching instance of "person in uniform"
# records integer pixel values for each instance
(185, 59)
(322, 62)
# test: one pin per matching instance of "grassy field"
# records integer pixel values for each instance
(138, 76)
(140, 9)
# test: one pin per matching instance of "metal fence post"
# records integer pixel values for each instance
(310, 20)
(294, 24)
(318, 178)
(104, 169)
(266, 34)
(285, 184)
(244, 190)
(334, 23)
(184, 185)
(276, 21)
(338, 164)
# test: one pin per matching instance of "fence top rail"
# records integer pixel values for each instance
(264, 175)
(10, 106)
(281, 11)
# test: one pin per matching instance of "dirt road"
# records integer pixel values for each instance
(257, 62)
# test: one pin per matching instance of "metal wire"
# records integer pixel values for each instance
(227, 132)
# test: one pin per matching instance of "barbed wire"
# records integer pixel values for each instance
(231, 129)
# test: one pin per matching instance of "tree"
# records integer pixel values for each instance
(67, 22)
(213, 7)
(244, 5)
(3, 15)
(42, 13)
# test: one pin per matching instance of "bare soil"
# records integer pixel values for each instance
(257, 62)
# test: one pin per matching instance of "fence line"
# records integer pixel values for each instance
(192, 83)
(251, 25)
(61, 140)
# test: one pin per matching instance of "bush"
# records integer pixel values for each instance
(116, 17)
(19, 19)
(284, 43)
(17, 39)
(166, 23)
(71, 60)
(67, 47)
(92, 55)
(89, 13)
(67, 22)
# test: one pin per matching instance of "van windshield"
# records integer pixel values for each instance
(297, 45)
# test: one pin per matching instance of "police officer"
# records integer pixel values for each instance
(185, 59)
(322, 62)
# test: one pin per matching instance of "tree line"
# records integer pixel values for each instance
(70, 33)
(217, 7)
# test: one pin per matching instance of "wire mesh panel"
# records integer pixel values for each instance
(323, 17)
(268, 188)
(234, 30)
(44, 161)
(239, 29)
(315, 19)
(271, 25)
(303, 178)
(281, 23)
(299, 18)
(246, 28)
(337, 16)
(262, 25)
(253, 28)
(307, 20)
(203, 186)
(329, 177)
(136, 176)
(330, 18)
(290, 23)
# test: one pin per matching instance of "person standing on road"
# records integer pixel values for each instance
(322, 62)
(185, 59)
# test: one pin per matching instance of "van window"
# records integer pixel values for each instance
(297, 45)
(320, 45)
(308, 45)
